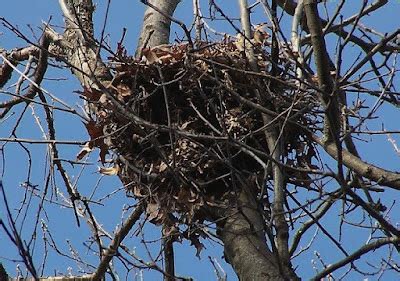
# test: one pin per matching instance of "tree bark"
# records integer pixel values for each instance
(245, 246)
(156, 26)
(274, 140)
(328, 95)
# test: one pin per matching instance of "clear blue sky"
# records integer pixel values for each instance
(128, 14)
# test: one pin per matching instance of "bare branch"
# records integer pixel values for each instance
(362, 168)
(328, 96)
(119, 236)
(356, 255)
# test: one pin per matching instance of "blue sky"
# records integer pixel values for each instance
(28, 16)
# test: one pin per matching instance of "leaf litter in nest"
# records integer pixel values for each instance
(196, 87)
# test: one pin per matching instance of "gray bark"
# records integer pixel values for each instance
(245, 246)
(274, 145)
(156, 26)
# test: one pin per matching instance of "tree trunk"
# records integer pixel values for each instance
(156, 25)
(245, 246)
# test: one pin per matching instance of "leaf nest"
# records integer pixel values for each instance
(187, 128)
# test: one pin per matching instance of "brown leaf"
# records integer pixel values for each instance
(84, 151)
(170, 231)
(166, 59)
(103, 152)
(314, 79)
(96, 133)
(199, 246)
(152, 210)
(124, 90)
(185, 124)
(182, 196)
(91, 94)
(110, 171)
(154, 213)
(163, 167)
(103, 99)
(150, 56)
(137, 191)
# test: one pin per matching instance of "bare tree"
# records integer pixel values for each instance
(232, 132)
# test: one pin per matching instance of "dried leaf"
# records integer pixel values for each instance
(184, 125)
(110, 171)
(137, 192)
(182, 196)
(260, 35)
(199, 246)
(91, 94)
(166, 59)
(314, 79)
(124, 90)
(149, 56)
(103, 99)
(184, 145)
(240, 43)
(103, 152)
(154, 213)
(96, 133)
(193, 197)
(170, 231)
(88, 147)
(163, 167)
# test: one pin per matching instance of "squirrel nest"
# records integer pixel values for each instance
(187, 129)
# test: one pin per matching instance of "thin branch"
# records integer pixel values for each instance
(303, 229)
(169, 259)
(34, 141)
(355, 256)
(296, 39)
(112, 250)
(362, 168)
(370, 54)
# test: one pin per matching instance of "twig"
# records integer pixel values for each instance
(168, 250)
(355, 256)
(112, 250)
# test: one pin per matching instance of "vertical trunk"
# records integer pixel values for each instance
(156, 25)
(274, 141)
(245, 246)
